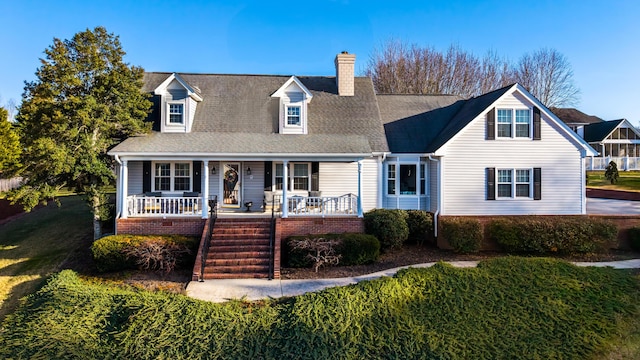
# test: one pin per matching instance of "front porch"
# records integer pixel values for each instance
(157, 205)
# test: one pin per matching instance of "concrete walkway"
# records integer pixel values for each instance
(257, 289)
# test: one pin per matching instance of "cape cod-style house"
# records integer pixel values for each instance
(319, 151)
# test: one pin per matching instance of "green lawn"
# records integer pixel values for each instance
(506, 308)
(35, 245)
(628, 180)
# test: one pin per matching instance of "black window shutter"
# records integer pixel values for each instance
(268, 180)
(197, 176)
(491, 124)
(537, 184)
(536, 123)
(315, 176)
(491, 183)
(146, 176)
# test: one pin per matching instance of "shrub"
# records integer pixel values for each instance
(389, 226)
(611, 172)
(358, 249)
(319, 250)
(552, 234)
(420, 224)
(121, 252)
(464, 235)
(634, 238)
(353, 249)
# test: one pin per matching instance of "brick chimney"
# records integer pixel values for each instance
(345, 64)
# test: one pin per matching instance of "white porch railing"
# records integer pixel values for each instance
(600, 163)
(321, 206)
(140, 206)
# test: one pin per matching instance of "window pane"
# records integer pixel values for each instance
(182, 169)
(175, 113)
(505, 117)
(392, 171)
(522, 176)
(279, 170)
(407, 179)
(182, 184)
(301, 183)
(422, 180)
(504, 190)
(522, 116)
(504, 176)
(522, 190)
(163, 184)
(163, 169)
(391, 187)
(300, 170)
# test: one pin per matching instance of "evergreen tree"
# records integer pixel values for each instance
(85, 100)
(9, 146)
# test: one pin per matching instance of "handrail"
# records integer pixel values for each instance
(213, 215)
(272, 235)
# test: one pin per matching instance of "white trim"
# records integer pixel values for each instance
(243, 157)
(281, 90)
(190, 91)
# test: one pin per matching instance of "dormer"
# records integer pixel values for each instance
(178, 104)
(294, 97)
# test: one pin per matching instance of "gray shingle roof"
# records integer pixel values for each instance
(423, 123)
(238, 115)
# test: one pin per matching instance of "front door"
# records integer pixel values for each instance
(231, 184)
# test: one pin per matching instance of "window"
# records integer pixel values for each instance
(407, 179)
(293, 116)
(523, 121)
(508, 119)
(423, 191)
(504, 183)
(172, 177)
(521, 187)
(504, 122)
(176, 112)
(299, 178)
(391, 179)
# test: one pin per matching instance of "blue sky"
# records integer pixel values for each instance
(601, 39)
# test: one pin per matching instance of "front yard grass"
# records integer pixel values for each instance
(628, 181)
(36, 244)
(507, 307)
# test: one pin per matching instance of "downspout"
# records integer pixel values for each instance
(437, 213)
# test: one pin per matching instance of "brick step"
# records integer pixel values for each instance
(238, 248)
(235, 276)
(218, 263)
(243, 223)
(238, 242)
(257, 237)
(232, 269)
(238, 255)
(237, 231)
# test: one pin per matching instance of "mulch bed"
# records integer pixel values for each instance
(9, 211)
(613, 194)
(415, 254)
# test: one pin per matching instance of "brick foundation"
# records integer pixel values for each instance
(159, 226)
(623, 222)
(311, 225)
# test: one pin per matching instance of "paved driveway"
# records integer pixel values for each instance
(610, 206)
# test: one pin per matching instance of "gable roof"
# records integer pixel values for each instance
(572, 116)
(599, 131)
(238, 116)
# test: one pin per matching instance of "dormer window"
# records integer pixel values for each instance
(294, 97)
(176, 114)
(293, 115)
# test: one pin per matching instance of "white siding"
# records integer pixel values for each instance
(134, 183)
(342, 178)
(469, 154)
(253, 185)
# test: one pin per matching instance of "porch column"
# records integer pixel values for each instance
(124, 178)
(285, 185)
(360, 214)
(205, 189)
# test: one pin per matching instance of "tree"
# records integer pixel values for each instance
(84, 101)
(9, 146)
(398, 68)
(611, 172)
(548, 76)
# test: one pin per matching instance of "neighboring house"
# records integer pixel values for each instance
(615, 140)
(329, 146)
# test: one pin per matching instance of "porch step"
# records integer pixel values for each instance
(239, 248)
